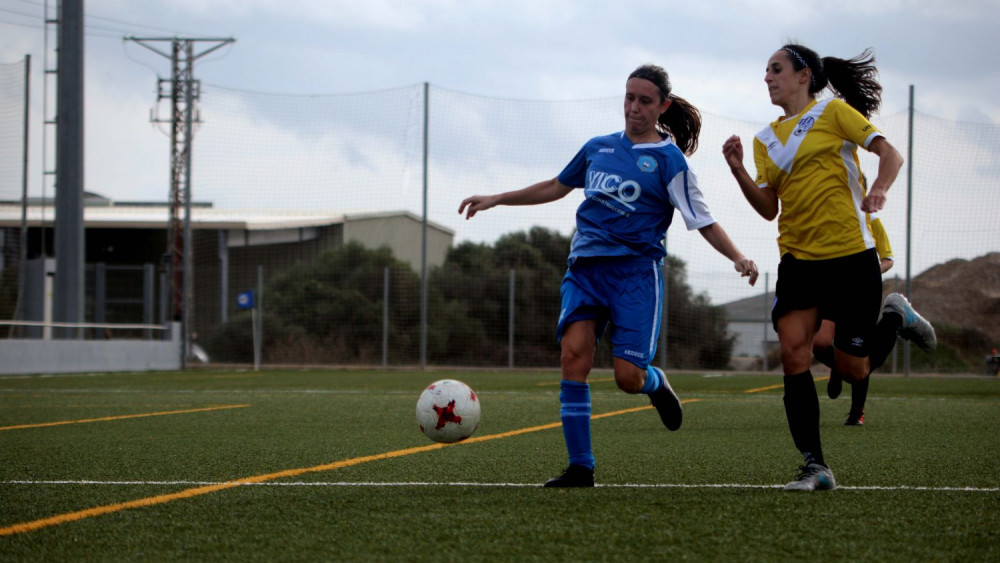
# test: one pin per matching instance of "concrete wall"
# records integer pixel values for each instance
(403, 234)
(26, 356)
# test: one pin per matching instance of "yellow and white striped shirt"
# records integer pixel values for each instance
(811, 161)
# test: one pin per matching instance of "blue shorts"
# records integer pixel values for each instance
(625, 293)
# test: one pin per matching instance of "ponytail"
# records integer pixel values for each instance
(683, 122)
(854, 80)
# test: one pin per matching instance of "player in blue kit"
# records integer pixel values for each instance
(632, 182)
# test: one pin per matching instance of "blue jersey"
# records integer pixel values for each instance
(630, 193)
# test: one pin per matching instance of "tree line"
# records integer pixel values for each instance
(331, 310)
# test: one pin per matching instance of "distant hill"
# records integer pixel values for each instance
(962, 294)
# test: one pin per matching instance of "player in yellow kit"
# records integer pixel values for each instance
(807, 168)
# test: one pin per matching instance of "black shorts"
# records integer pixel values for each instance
(846, 290)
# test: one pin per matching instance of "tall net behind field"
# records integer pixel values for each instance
(312, 173)
(363, 153)
(12, 84)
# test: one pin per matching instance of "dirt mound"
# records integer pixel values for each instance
(961, 294)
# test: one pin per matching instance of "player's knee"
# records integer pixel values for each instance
(630, 378)
(796, 357)
(849, 378)
(852, 376)
(852, 369)
(575, 364)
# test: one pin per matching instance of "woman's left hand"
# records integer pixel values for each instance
(747, 268)
(874, 201)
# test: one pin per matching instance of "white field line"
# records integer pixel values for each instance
(712, 397)
(492, 485)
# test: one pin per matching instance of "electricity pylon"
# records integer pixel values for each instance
(183, 91)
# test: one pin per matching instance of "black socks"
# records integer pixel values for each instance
(859, 394)
(802, 410)
(886, 334)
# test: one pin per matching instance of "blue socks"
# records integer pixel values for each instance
(575, 414)
(654, 380)
(574, 399)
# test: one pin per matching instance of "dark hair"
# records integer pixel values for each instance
(682, 121)
(853, 80)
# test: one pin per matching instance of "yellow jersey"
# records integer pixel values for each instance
(811, 161)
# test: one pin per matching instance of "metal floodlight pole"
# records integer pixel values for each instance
(68, 299)
(22, 256)
(909, 219)
(665, 310)
(767, 310)
(423, 245)
(385, 316)
(511, 302)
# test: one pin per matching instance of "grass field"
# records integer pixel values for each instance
(330, 465)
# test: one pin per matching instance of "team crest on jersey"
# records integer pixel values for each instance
(646, 163)
(805, 124)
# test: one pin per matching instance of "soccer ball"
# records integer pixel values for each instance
(448, 411)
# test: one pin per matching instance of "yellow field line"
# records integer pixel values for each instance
(778, 386)
(120, 417)
(559, 424)
(198, 491)
(768, 388)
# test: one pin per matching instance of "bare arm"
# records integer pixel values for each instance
(542, 192)
(889, 163)
(717, 237)
(763, 200)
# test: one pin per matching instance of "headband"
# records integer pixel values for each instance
(652, 77)
(802, 61)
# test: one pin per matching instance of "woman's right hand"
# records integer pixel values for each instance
(474, 204)
(732, 149)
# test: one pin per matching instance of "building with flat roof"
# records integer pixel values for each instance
(126, 245)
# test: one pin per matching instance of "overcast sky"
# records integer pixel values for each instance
(715, 50)
(554, 50)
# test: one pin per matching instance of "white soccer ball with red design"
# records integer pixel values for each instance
(448, 411)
